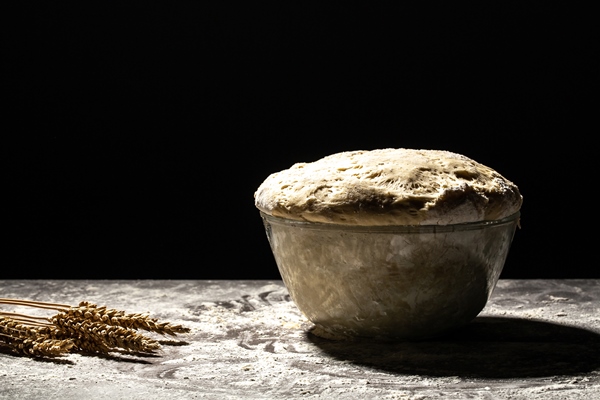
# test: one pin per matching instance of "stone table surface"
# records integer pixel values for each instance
(536, 339)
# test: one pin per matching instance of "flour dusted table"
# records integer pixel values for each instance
(536, 339)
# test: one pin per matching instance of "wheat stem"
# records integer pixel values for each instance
(28, 319)
(32, 303)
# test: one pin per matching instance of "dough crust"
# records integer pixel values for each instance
(389, 187)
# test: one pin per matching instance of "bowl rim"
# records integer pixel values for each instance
(465, 226)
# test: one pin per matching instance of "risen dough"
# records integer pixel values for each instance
(389, 187)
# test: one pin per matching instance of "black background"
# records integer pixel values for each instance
(136, 133)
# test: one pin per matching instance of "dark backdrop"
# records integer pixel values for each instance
(141, 130)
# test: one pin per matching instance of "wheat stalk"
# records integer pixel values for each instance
(85, 328)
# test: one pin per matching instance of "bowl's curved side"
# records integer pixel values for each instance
(401, 285)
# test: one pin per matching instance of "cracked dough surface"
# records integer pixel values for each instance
(389, 187)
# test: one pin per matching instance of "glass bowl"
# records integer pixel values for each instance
(400, 282)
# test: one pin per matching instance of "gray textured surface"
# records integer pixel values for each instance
(536, 339)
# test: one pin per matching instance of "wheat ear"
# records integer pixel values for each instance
(30, 340)
(101, 338)
(91, 312)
